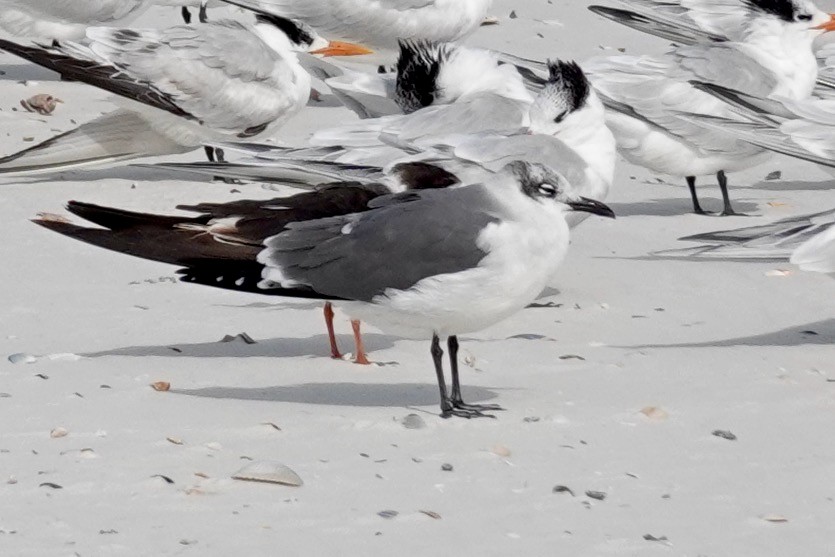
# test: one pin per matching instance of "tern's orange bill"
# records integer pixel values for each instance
(829, 25)
(341, 48)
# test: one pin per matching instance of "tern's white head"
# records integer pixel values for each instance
(568, 108)
(290, 35)
(441, 73)
(787, 18)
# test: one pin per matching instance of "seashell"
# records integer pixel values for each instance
(161, 386)
(44, 104)
(269, 472)
(500, 450)
(58, 432)
(413, 421)
(23, 358)
(655, 413)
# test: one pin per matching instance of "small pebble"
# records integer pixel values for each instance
(724, 434)
(598, 495)
(446, 467)
(562, 489)
(388, 514)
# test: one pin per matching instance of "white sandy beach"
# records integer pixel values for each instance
(746, 348)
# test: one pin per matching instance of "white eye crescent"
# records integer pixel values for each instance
(547, 190)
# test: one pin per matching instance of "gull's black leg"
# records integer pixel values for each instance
(457, 401)
(691, 183)
(186, 15)
(447, 408)
(723, 185)
(203, 17)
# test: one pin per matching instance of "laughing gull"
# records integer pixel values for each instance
(772, 55)
(425, 264)
(181, 87)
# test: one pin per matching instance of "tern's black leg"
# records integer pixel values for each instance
(723, 185)
(221, 156)
(203, 17)
(691, 183)
(210, 153)
(186, 15)
(457, 401)
(447, 408)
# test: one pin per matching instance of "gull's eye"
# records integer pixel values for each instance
(804, 17)
(547, 190)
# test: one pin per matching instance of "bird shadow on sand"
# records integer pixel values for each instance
(315, 346)
(797, 185)
(672, 207)
(818, 333)
(26, 72)
(126, 172)
(341, 394)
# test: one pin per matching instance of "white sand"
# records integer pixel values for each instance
(714, 346)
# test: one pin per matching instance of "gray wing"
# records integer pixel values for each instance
(802, 140)
(711, 19)
(404, 239)
(219, 72)
(777, 241)
(657, 90)
(484, 113)
(90, 12)
(658, 23)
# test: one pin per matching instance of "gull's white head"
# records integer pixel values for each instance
(548, 187)
(441, 73)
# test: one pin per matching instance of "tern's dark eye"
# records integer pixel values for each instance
(547, 190)
(804, 17)
(560, 117)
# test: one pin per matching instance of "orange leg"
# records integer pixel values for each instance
(331, 337)
(360, 357)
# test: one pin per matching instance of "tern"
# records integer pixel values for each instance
(380, 23)
(181, 87)
(484, 251)
(771, 55)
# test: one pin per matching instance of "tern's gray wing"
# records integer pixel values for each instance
(710, 19)
(771, 242)
(656, 90)
(482, 113)
(659, 23)
(380, 22)
(367, 95)
(89, 12)
(219, 72)
(817, 254)
(799, 139)
(405, 239)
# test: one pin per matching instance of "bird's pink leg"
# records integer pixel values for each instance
(331, 337)
(360, 357)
